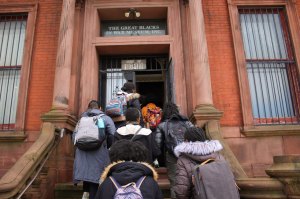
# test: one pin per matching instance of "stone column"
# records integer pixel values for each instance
(64, 57)
(204, 109)
(60, 105)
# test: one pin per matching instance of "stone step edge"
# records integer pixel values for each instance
(69, 186)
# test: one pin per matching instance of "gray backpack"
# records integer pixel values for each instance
(214, 180)
(89, 135)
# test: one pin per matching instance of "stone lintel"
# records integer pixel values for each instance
(205, 112)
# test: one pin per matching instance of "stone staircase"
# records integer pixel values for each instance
(69, 191)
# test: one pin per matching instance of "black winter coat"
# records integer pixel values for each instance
(145, 136)
(134, 102)
(127, 172)
(160, 130)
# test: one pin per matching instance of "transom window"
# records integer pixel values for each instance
(271, 68)
(12, 38)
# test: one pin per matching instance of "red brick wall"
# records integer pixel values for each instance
(43, 60)
(223, 70)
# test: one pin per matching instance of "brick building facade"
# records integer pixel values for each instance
(64, 50)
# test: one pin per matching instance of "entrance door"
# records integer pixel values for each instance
(112, 76)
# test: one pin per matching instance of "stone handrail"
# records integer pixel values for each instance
(16, 177)
(250, 187)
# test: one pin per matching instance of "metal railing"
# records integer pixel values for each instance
(272, 71)
(112, 77)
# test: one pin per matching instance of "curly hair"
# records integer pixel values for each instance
(128, 151)
(169, 109)
(128, 87)
(194, 134)
(132, 114)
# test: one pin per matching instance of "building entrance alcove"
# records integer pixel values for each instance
(108, 32)
(157, 76)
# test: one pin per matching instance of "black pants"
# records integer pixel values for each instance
(90, 187)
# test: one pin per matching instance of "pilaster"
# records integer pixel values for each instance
(59, 113)
(204, 109)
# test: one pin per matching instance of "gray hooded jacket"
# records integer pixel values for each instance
(88, 165)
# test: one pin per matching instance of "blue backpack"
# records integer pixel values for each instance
(129, 191)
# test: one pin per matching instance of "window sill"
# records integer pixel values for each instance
(12, 136)
(275, 130)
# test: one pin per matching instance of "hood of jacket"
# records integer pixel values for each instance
(131, 96)
(126, 172)
(198, 148)
(91, 113)
(131, 129)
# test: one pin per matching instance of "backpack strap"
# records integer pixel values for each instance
(203, 163)
(140, 181)
(136, 133)
(117, 185)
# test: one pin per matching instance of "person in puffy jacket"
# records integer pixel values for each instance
(128, 165)
(169, 110)
(195, 150)
(145, 136)
(132, 98)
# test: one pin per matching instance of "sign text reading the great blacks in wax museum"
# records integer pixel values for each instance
(133, 28)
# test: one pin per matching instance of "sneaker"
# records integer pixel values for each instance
(85, 196)
(156, 164)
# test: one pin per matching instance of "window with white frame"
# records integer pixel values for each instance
(12, 38)
(272, 74)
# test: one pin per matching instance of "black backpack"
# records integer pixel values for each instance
(175, 128)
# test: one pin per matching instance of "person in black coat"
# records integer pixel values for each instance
(170, 110)
(145, 136)
(128, 166)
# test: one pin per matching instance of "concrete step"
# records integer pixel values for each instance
(70, 191)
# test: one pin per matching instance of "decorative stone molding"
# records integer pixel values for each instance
(11, 136)
(287, 170)
(61, 119)
(275, 130)
(205, 112)
(260, 188)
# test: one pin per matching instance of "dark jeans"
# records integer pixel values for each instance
(90, 187)
(171, 166)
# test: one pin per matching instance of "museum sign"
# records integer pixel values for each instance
(133, 28)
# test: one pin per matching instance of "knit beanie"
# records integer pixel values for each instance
(194, 134)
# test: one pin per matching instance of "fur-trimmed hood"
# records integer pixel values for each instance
(198, 148)
(127, 171)
(131, 129)
(131, 96)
